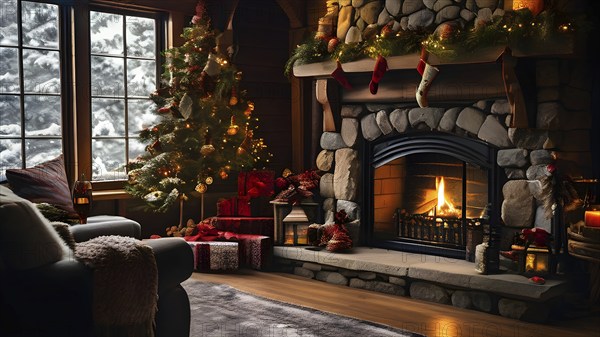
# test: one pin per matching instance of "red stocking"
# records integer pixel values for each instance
(422, 61)
(339, 75)
(380, 68)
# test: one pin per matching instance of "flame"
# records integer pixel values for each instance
(444, 207)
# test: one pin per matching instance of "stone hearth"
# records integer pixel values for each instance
(431, 278)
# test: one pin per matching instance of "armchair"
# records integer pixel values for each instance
(55, 298)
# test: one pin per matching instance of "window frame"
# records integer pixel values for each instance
(84, 119)
(75, 77)
(83, 88)
(65, 76)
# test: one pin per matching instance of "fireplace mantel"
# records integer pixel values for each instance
(402, 62)
(324, 69)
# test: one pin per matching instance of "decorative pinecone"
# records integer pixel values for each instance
(340, 240)
(326, 233)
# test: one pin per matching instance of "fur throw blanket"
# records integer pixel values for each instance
(125, 285)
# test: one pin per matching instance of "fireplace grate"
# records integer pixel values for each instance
(447, 231)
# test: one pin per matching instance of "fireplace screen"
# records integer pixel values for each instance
(428, 198)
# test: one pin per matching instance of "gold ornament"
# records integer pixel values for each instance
(233, 128)
(201, 188)
(209, 180)
(207, 148)
(246, 143)
(249, 109)
(286, 173)
(233, 100)
(223, 174)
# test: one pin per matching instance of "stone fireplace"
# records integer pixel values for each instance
(482, 159)
(495, 121)
(419, 182)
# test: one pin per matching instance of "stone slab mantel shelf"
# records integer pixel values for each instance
(449, 272)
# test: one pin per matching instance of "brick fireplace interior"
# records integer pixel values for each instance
(430, 192)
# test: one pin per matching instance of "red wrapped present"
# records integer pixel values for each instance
(243, 225)
(234, 206)
(256, 183)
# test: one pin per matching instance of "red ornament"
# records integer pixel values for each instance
(332, 44)
(446, 30)
(387, 29)
(164, 109)
(537, 280)
(537, 236)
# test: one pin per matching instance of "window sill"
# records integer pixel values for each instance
(115, 194)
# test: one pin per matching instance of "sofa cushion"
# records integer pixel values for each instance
(46, 182)
(99, 225)
(27, 239)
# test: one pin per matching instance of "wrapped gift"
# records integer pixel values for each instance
(255, 251)
(243, 225)
(215, 255)
(256, 183)
(234, 206)
(259, 186)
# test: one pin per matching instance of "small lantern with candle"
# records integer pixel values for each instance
(295, 227)
(534, 253)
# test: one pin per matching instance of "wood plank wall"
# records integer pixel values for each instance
(261, 32)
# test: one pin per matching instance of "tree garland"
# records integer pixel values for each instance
(519, 28)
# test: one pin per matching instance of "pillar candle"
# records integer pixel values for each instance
(592, 218)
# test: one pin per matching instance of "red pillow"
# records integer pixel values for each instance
(46, 182)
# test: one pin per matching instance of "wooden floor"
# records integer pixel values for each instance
(430, 319)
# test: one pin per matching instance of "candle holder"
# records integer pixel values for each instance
(82, 198)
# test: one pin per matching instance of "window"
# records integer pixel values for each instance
(114, 56)
(30, 84)
(123, 72)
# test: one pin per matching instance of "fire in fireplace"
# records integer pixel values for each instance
(429, 192)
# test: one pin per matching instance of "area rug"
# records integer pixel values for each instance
(220, 310)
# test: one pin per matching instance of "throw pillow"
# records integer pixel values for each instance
(27, 239)
(46, 182)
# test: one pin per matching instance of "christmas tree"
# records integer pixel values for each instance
(206, 126)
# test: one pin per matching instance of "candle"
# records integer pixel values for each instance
(592, 218)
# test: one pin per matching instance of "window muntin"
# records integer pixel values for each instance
(36, 95)
(30, 84)
(123, 73)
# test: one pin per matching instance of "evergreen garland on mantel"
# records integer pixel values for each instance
(516, 29)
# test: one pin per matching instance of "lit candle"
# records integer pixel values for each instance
(592, 218)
